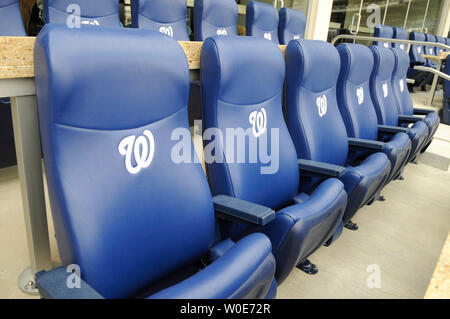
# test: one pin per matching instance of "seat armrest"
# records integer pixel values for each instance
(322, 169)
(392, 129)
(365, 144)
(409, 119)
(234, 209)
(53, 285)
(420, 111)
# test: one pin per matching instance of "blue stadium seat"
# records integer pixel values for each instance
(11, 19)
(168, 17)
(135, 222)
(386, 105)
(404, 99)
(292, 25)
(317, 128)
(357, 110)
(10, 25)
(401, 34)
(416, 51)
(242, 85)
(446, 101)
(442, 41)
(383, 31)
(215, 17)
(262, 21)
(429, 50)
(99, 12)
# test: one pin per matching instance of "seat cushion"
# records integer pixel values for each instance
(418, 134)
(432, 120)
(245, 271)
(397, 149)
(300, 229)
(364, 181)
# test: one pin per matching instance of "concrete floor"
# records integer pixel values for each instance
(403, 236)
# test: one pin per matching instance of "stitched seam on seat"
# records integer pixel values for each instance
(344, 93)
(127, 129)
(153, 20)
(82, 16)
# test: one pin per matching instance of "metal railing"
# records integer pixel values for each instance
(401, 41)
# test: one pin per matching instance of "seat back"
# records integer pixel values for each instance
(399, 85)
(242, 85)
(314, 121)
(99, 12)
(401, 34)
(383, 31)
(123, 210)
(381, 86)
(416, 51)
(11, 23)
(354, 100)
(292, 25)
(262, 21)
(430, 50)
(215, 17)
(168, 17)
(442, 41)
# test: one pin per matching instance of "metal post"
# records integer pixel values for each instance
(385, 11)
(28, 149)
(425, 16)
(407, 15)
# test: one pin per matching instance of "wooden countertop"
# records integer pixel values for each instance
(439, 287)
(16, 56)
(440, 57)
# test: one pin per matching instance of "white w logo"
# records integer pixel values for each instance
(167, 31)
(93, 22)
(360, 94)
(402, 85)
(222, 32)
(297, 37)
(142, 148)
(322, 105)
(258, 120)
(385, 90)
(268, 36)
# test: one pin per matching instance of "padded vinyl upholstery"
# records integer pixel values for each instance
(383, 31)
(262, 21)
(292, 25)
(401, 34)
(228, 100)
(11, 23)
(215, 17)
(133, 226)
(99, 12)
(356, 106)
(168, 17)
(312, 74)
(385, 102)
(430, 50)
(404, 100)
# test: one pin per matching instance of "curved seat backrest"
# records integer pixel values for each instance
(292, 25)
(11, 23)
(354, 100)
(447, 83)
(168, 17)
(215, 17)
(402, 34)
(399, 85)
(262, 21)
(99, 12)
(383, 31)
(416, 51)
(123, 210)
(313, 115)
(381, 86)
(442, 41)
(430, 50)
(242, 85)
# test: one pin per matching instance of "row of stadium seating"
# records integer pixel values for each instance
(416, 52)
(139, 224)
